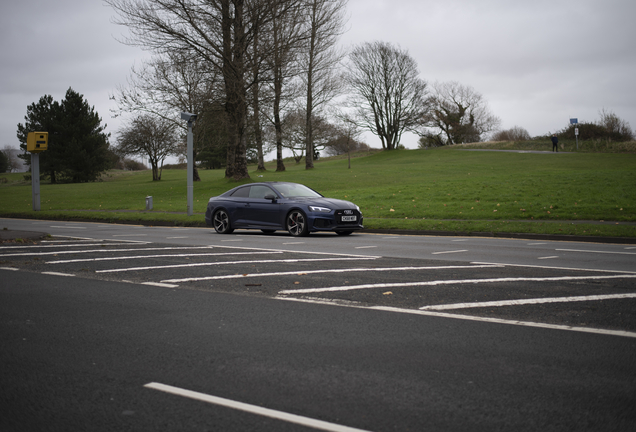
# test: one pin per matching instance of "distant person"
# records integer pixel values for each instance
(555, 143)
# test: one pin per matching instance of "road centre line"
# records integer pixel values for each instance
(159, 284)
(306, 272)
(447, 252)
(104, 250)
(558, 268)
(300, 252)
(61, 245)
(57, 274)
(452, 282)
(522, 302)
(466, 317)
(67, 226)
(294, 260)
(157, 256)
(547, 257)
(595, 251)
(365, 247)
(9, 268)
(252, 409)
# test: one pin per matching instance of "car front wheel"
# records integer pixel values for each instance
(221, 222)
(297, 223)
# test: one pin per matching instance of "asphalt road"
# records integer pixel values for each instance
(370, 332)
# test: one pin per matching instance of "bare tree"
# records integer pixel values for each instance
(389, 98)
(150, 136)
(460, 114)
(169, 84)
(219, 33)
(325, 20)
(615, 125)
(517, 133)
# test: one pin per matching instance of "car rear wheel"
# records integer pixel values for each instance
(221, 222)
(297, 223)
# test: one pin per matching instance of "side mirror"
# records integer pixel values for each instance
(270, 197)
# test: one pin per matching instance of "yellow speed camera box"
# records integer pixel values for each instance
(37, 141)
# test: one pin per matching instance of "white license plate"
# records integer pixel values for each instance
(349, 218)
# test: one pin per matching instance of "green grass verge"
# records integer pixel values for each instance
(444, 189)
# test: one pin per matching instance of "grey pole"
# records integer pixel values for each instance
(190, 168)
(35, 180)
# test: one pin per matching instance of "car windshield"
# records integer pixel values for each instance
(295, 190)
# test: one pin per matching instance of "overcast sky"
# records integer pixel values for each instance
(537, 63)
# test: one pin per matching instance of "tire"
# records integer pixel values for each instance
(344, 233)
(221, 222)
(296, 223)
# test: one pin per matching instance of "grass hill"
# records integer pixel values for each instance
(448, 189)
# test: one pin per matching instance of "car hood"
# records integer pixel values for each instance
(332, 203)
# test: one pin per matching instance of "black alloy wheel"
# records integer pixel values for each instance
(296, 223)
(221, 222)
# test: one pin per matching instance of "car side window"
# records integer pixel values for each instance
(243, 192)
(260, 192)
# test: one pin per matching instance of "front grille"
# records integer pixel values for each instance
(348, 212)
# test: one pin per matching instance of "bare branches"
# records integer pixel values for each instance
(388, 95)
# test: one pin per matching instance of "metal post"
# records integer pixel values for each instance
(190, 169)
(35, 180)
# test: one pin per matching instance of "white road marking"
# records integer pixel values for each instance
(521, 302)
(9, 268)
(68, 226)
(159, 284)
(295, 260)
(306, 272)
(104, 250)
(157, 256)
(57, 274)
(60, 246)
(295, 243)
(237, 240)
(177, 237)
(447, 252)
(129, 235)
(252, 409)
(536, 244)
(595, 251)
(453, 282)
(470, 318)
(459, 240)
(365, 247)
(547, 257)
(557, 268)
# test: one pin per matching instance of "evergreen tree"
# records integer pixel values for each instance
(78, 147)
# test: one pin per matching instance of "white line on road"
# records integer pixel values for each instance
(521, 302)
(104, 250)
(157, 256)
(57, 274)
(177, 237)
(595, 251)
(306, 272)
(447, 252)
(365, 247)
(252, 409)
(469, 317)
(548, 257)
(453, 282)
(129, 235)
(557, 268)
(159, 284)
(61, 246)
(9, 268)
(295, 260)
(73, 227)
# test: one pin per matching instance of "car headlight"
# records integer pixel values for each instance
(319, 209)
